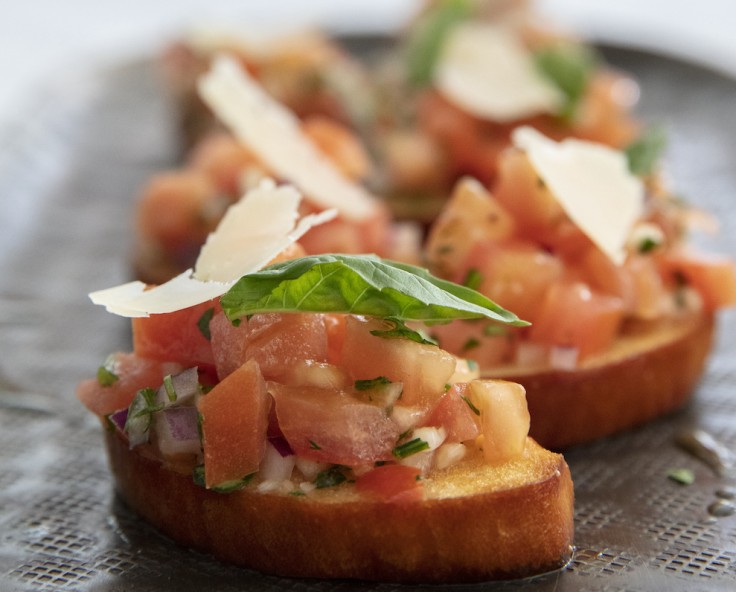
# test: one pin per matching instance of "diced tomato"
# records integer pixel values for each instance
(229, 342)
(234, 425)
(133, 374)
(504, 418)
(713, 276)
(175, 336)
(424, 370)
(171, 210)
(223, 159)
(332, 426)
(538, 214)
(471, 216)
(278, 341)
(335, 326)
(516, 274)
(392, 483)
(485, 343)
(453, 412)
(573, 315)
(339, 144)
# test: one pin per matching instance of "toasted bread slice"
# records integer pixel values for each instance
(477, 521)
(651, 370)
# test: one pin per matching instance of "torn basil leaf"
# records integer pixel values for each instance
(570, 67)
(359, 284)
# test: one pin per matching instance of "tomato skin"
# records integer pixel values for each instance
(339, 144)
(392, 484)
(573, 315)
(174, 336)
(234, 425)
(134, 373)
(332, 426)
(222, 159)
(453, 413)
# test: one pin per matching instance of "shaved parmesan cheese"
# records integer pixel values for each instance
(274, 134)
(487, 71)
(593, 184)
(252, 232)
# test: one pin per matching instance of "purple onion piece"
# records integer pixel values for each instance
(281, 445)
(118, 419)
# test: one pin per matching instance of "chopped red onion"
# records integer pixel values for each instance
(281, 445)
(177, 431)
(118, 419)
(181, 389)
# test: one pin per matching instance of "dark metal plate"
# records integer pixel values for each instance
(68, 175)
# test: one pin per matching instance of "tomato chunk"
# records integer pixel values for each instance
(333, 426)
(175, 336)
(575, 316)
(132, 373)
(454, 414)
(392, 483)
(234, 425)
(713, 276)
(424, 370)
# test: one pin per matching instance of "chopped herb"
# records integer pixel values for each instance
(106, 377)
(410, 447)
(472, 365)
(314, 446)
(448, 386)
(647, 245)
(204, 323)
(493, 330)
(473, 408)
(169, 388)
(401, 331)
(364, 385)
(198, 476)
(235, 322)
(297, 493)
(330, 477)
(473, 279)
(681, 476)
(644, 153)
(144, 404)
(379, 463)
(471, 343)
(569, 66)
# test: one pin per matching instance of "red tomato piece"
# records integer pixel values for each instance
(575, 316)
(175, 336)
(133, 374)
(392, 483)
(332, 426)
(234, 425)
(424, 370)
(453, 413)
(713, 276)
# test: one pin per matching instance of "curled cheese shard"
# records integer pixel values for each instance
(487, 71)
(593, 184)
(274, 135)
(252, 232)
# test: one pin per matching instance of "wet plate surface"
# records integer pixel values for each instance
(68, 175)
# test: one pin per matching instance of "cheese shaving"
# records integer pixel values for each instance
(252, 232)
(274, 134)
(593, 184)
(487, 71)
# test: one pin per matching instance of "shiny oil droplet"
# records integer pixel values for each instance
(728, 493)
(721, 508)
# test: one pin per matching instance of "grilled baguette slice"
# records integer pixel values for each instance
(477, 522)
(652, 369)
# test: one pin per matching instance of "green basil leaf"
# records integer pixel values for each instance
(399, 330)
(429, 34)
(570, 67)
(359, 284)
(644, 153)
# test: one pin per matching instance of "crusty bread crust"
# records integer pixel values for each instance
(652, 370)
(478, 522)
